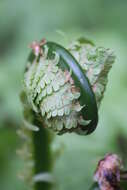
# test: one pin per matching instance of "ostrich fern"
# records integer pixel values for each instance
(54, 99)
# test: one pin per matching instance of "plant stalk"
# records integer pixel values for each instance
(42, 155)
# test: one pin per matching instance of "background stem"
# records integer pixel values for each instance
(123, 175)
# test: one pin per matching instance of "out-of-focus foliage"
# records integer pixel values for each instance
(23, 21)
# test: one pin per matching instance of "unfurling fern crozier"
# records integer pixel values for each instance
(64, 87)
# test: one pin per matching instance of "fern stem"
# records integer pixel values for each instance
(42, 155)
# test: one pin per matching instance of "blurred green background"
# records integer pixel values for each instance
(21, 22)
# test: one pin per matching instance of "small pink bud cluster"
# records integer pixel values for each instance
(108, 172)
(36, 47)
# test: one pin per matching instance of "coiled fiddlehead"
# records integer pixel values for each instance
(63, 89)
(67, 105)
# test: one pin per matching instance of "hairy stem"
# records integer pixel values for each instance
(42, 155)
